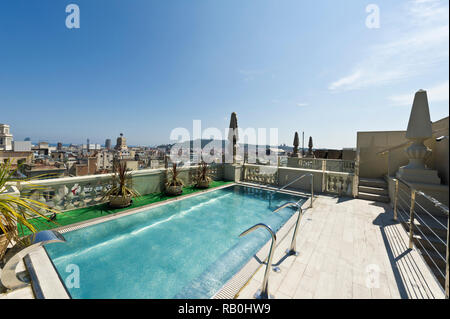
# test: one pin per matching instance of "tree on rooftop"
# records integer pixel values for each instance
(16, 211)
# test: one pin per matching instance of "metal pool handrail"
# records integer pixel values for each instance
(8, 277)
(263, 293)
(293, 250)
(292, 182)
(412, 215)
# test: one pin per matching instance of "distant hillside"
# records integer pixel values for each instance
(221, 144)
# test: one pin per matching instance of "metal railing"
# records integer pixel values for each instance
(403, 145)
(9, 277)
(263, 293)
(401, 205)
(273, 192)
(293, 248)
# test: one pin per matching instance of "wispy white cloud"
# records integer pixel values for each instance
(426, 11)
(289, 102)
(438, 93)
(349, 80)
(421, 45)
(250, 75)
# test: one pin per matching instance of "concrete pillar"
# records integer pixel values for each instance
(232, 172)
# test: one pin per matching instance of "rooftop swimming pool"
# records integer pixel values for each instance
(184, 249)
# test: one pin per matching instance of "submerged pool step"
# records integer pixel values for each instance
(274, 188)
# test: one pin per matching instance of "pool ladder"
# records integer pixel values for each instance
(273, 192)
(263, 293)
(292, 249)
(9, 277)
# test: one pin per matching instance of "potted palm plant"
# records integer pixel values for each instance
(202, 179)
(16, 210)
(174, 185)
(121, 193)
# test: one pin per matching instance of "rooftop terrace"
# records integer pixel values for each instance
(349, 248)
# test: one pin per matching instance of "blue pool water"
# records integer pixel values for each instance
(185, 249)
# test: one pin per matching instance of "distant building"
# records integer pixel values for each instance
(41, 149)
(91, 147)
(105, 160)
(60, 156)
(16, 157)
(21, 146)
(17, 152)
(43, 145)
(87, 166)
(59, 146)
(349, 154)
(328, 154)
(132, 165)
(121, 144)
(154, 163)
(6, 138)
(108, 144)
(44, 170)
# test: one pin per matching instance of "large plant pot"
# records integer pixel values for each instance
(119, 201)
(174, 190)
(202, 184)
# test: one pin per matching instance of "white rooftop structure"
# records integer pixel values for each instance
(21, 146)
(6, 138)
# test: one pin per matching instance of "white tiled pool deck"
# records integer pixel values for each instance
(349, 248)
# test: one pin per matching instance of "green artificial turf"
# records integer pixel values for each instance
(83, 214)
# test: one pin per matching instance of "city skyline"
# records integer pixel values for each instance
(145, 68)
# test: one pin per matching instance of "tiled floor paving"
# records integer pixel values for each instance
(349, 248)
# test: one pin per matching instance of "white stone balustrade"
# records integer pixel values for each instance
(310, 163)
(340, 165)
(334, 165)
(69, 193)
(261, 174)
(340, 183)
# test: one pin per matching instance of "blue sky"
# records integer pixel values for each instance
(145, 67)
